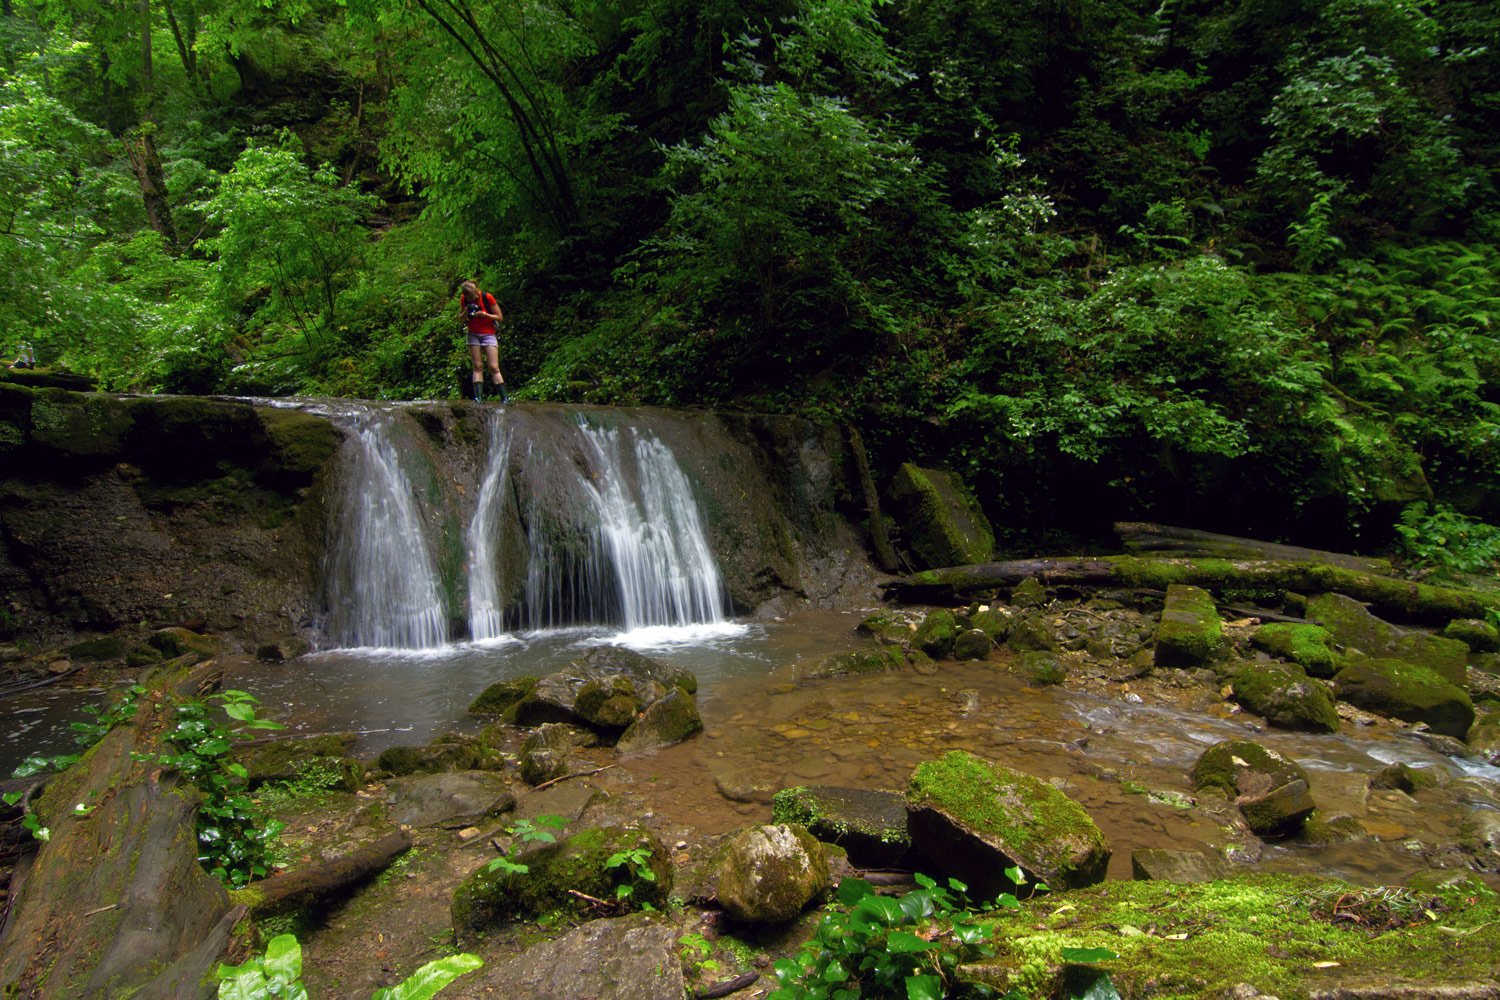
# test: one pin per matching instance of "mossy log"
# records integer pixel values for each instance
(302, 887)
(1166, 540)
(115, 902)
(1389, 597)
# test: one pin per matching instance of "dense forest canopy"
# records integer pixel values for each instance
(1227, 261)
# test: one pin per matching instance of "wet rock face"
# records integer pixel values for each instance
(769, 874)
(870, 825)
(1406, 691)
(944, 525)
(972, 819)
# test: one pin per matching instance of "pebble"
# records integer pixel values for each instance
(59, 667)
(468, 833)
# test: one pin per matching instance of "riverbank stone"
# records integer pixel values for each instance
(1286, 697)
(452, 799)
(877, 660)
(870, 825)
(889, 629)
(1484, 734)
(491, 898)
(634, 957)
(501, 698)
(607, 688)
(936, 634)
(941, 522)
(769, 874)
(1030, 631)
(972, 644)
(1176, 866)
(669, 719)
(1308, 646)
(1358, 631)
(321, 762)
(1271, 791)
(972, 818)
(1479, 636)
(1190, 632)
(1280, 812)
(546, 753)
(449, 752)
(1403, 690)
(1040, 668)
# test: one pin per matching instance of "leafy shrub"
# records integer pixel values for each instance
(1446, 542)
(277, 975)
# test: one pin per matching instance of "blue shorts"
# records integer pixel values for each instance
(485, 340)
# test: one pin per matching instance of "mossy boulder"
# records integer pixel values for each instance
(490, 899)
(1308, 646)
(1285, 696)
(1356, 629)
(1405, 778)
(501, 698)
(449, 752)
(1280, 812)
(940, 520)
(972, 819)
(936, 634)
(547, 751)
(1403, 690)
(887, 628)
(1484, 734)
(1479, 636)
(993, 623)
(1031, 630)
(1040, 668)
(882, 659)
(870, 825)
(607, 688)
(175, 642)
(769, 874)
(318, 762)
(669, 719)
(1029, 593)
(1239, 767)
(1190, 632)
(972, 644)
(102, 649)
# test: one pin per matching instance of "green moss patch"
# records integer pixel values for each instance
(1308, 646)
(1285, 696)
(870, 825)
(1408, 692)
(942, 523)
(1190, 633)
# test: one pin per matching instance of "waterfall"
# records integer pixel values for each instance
(485, 608)
(625, 547)
(380, 582)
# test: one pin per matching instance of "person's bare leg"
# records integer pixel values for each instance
(492, 355)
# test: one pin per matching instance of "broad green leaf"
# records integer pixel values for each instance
(284, 957)
(852, 890)
(430, 978)
(1102, 988)
(906, 943)
(887, 911)
(924, 988)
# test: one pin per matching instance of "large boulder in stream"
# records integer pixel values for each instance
(1358, 631)
(1403, 690)
(1270, 790)
(769, 874)
(612, 690)
(1191, 631)
(1285, 696)
(940, 520)
(972, 819)
(555, 872)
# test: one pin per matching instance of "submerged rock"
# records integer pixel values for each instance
(1285, 696)
(972, 818)
(870, 825)
(879, 660)
(942, 523)
(768, 874)
(623, 958)
(491, 898)
(1404, 690)
(1190, 633)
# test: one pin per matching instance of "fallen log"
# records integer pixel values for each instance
(293, 890)
(1166, 540)
(115, 902)
(1402, 600)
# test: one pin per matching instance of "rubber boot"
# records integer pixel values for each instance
(498, 389)
(476, 392)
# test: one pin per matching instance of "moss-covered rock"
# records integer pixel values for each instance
(109, 647)
(501, 698)
(1280, 812)
(993, 623)
(1405, 778)
(318, 762)
(1355, 628)
(1405, 691)
(972, 818)
(1190, 632)
(80, 424)
(607, 688)
(870, 825)
(940, 520)
(489, 899)
(1241, 767)
(769, 874)
(449, 752)
(1323, 830)
(972, 644)
(1040, 668)
(1479, 636)
(1285, 696)
(887, 628)
(546, 751)
(1029, 593)
(1031, 630)
(174, 642)
(1308, 646)
(936, 634)
(882, 659)
(670, 719)
(1484, 734)
(301, 445)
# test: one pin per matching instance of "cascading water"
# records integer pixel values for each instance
(486, 619)
(380, 583)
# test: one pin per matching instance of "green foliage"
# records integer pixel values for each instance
(526, 832)
(1446, 542)
(874, 946)
(277, 975)
(633, 865)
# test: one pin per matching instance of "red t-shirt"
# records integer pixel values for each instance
(482, 326)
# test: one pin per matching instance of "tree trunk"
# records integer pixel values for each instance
(1161, 539)
(295, 889)
(1388, 596)
(880, 539)
(115, 902)
(146, 162)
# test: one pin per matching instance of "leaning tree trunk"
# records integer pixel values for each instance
(115, 903)
(1165, 540)
(1390, 597)
(146, 162)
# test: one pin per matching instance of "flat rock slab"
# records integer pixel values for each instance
(567, 799)
(450, 797)
(624, 958)
(1177, 866)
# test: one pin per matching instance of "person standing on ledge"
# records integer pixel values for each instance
(481, 318)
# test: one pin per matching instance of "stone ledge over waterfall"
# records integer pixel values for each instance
(234, 515)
